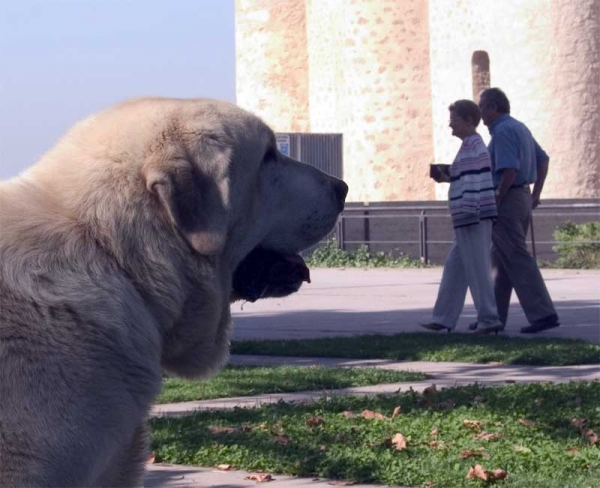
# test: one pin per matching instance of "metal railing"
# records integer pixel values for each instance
(366, 214)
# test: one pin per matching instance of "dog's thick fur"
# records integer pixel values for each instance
(117, 251)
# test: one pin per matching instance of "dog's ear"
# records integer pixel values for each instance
(195, 202)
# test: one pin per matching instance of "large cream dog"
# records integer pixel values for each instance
(117, 256)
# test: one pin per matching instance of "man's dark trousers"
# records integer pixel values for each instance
(514, 266)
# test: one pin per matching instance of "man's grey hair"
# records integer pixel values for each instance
(496, 97)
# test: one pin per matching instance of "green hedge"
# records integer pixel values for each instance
(575, 249)
(329, 255)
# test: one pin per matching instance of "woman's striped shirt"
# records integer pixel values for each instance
(471, 192)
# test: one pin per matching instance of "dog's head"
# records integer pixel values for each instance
(228, 191)
(213, 173)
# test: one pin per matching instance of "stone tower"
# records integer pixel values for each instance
(383, 73)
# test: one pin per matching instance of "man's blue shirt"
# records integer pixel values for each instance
(513, 146)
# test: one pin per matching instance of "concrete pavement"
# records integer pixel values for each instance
(388, 301)
(165, 475)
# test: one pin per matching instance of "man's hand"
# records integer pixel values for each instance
(542, 172)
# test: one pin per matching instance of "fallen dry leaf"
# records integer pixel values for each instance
(528, 423)
(259, 478)
(348, 414)
(216, 429)
(435, 431)
(281, 439)
(151, 458)
(499, 474)
(572, 450)
(592, 437)
(313, 421)
(473, 424)
(477, 471)
(369, 414)
(468, 453)
(438, 445)
(486, 436)
(396, 411)
(521, 449)
(224, 467)
(399, 442)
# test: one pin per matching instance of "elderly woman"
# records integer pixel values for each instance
(473, 208)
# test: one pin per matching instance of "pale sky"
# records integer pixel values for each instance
(61, 60)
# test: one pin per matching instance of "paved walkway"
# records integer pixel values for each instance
(389, 301)
(165, 475)
(385, 301)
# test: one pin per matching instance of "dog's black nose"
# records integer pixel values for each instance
(341, 190)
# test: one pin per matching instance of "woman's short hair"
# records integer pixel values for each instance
(466, 110)
(497, 98)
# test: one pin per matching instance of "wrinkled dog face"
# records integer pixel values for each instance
(289, 207)
(243, 199)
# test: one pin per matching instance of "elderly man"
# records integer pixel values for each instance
(517, 162)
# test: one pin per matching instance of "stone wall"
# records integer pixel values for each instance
(272, 62)
(383, 73)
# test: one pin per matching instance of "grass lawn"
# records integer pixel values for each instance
(434, 347)
(541, 435)
(244, 381)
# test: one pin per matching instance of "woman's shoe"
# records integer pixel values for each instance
(488, 329)
(435, 326)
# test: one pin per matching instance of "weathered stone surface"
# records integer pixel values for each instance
(383, 73)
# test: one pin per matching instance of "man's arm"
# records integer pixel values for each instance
(542, 172)
(541, 159)
(507, 178)
(506, 157)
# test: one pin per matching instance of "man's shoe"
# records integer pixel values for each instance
(488, 329)
(473, 326)
(436, 327)
(540, 325)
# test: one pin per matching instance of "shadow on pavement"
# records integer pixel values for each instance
(580, 319)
